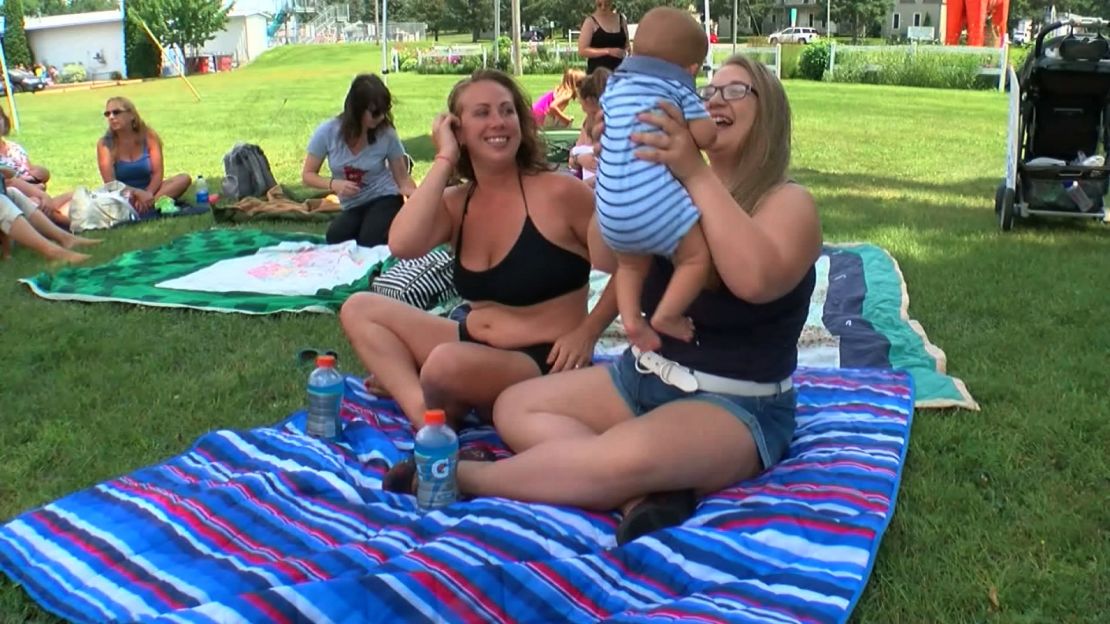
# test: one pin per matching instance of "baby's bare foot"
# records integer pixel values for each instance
(641, 335)
(680, 327)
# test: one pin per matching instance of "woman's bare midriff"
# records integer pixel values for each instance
(508, 327)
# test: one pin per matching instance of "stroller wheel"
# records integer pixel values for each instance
(1004, 206)
(999, 194)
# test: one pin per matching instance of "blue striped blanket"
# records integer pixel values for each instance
(268, 525)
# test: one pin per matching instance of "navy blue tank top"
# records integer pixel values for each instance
(735, 338)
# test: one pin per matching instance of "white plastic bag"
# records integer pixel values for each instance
(100, 208)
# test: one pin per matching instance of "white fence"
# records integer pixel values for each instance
(998, 56)
(771, 56)
(441, 53)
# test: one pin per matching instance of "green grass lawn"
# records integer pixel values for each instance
(1009, 502)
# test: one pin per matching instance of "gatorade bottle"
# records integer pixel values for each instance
(437, 454)
(325, 390)
(202, 191)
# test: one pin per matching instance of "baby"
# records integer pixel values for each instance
(642, 209)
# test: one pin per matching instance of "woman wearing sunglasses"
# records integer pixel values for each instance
(369, 167)
(131, 152)
(691, 418)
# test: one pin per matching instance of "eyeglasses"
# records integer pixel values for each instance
(731, 91)
(115, 112)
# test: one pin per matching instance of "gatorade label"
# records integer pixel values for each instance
(435, 472)
(322, 408)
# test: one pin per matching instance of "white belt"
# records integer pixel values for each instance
(689, 380)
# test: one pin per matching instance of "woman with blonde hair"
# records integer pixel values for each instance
(131, 152)
(654, 430)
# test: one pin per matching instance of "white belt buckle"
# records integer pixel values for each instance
(670, 372)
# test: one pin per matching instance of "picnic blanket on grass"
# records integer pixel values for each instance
(269, 525)
(134, 277)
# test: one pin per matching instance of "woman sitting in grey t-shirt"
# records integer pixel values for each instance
(369, 167)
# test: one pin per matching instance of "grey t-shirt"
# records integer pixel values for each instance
(369, 169)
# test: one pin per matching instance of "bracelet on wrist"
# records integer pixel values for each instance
(445, 159)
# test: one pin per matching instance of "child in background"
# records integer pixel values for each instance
(549, 110)
(582, 158)
(642, 209)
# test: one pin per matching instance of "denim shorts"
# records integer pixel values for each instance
(769, 418)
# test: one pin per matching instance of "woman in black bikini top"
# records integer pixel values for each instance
(535, 269)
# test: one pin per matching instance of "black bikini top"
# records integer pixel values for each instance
(535, 269)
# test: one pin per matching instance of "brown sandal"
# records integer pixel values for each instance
(401, 478)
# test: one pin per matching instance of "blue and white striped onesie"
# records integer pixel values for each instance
(641, 207)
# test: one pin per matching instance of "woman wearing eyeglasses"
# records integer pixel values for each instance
(131, 152)
(693, 417)
(369, 167)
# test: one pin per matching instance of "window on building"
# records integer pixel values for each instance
(897, 21)
(916, 19)
(811, 19)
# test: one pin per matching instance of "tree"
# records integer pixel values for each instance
(140, 56)
(856, 15)
(431, 12)
(470, 15)
(192, 23)
(88, 6)
(15, 38)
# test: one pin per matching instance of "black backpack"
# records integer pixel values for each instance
(250, 167)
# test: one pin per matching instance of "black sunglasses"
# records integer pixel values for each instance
(115, 112)
(729, 92)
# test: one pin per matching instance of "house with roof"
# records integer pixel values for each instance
(95, 40)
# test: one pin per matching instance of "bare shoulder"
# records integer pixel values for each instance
(787, 201)
(566, 193)
(453, 199)
(788, 213)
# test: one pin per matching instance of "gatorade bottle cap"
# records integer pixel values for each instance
(326, 361)
(435, 417)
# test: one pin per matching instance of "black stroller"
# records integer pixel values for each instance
(1059, 130)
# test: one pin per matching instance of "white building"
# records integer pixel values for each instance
(244, 39)
(95, 40)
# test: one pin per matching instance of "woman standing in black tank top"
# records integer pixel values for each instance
(604, 38)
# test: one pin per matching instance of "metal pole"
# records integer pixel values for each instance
(385, 37)
(518, 68)
(8, 88)
(735, 19)
(709, 52)
(496, 31)
(158, 44)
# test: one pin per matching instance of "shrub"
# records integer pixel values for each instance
(73, 72)
(814, 60)
(908, 68)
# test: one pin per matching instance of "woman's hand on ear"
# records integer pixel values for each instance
(673, 145)
(443, 137)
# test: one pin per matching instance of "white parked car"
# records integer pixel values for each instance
(795, 34)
